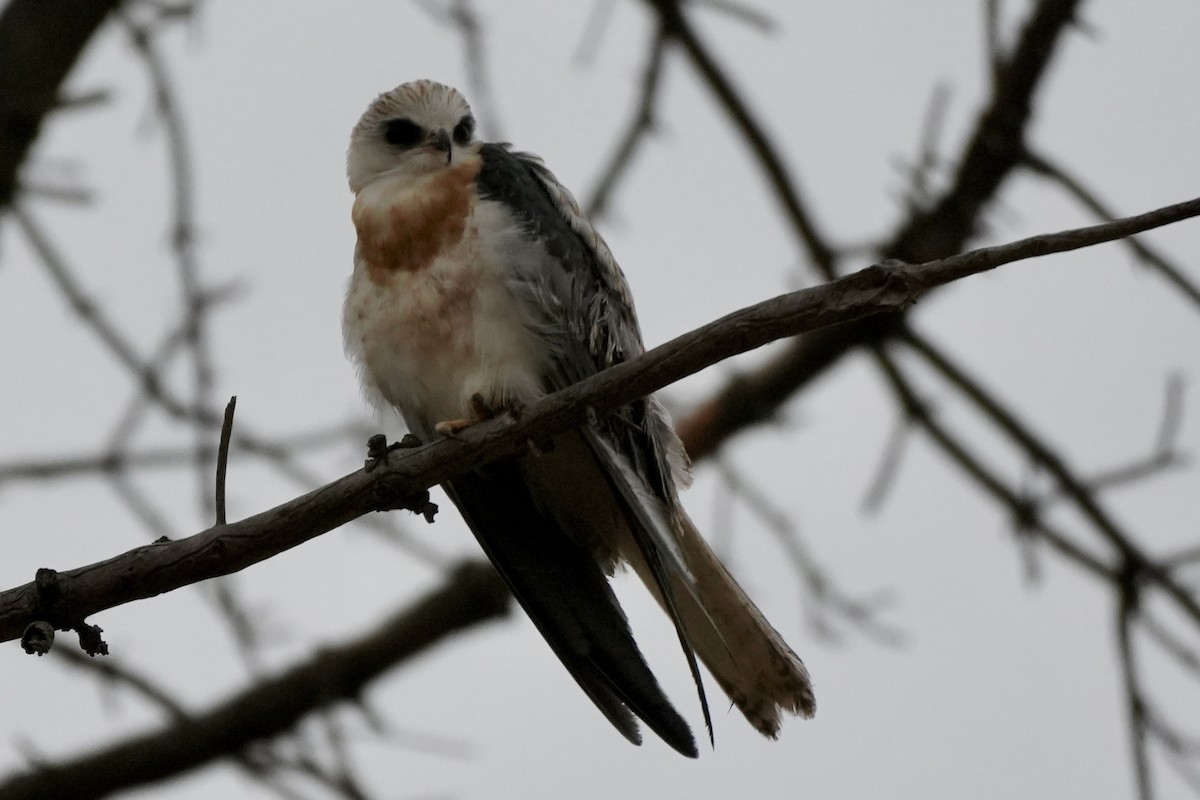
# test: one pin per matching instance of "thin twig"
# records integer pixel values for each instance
(889, 465)
(988, 157)
(1161, 458)
(593, 31)
(182, 237)
(462, 17)
(921, 194)
(991, 39)
(1143, 252)
(641, 126)
(1126, 616)
(778, 176)
(223, 458)
(973, 466)
(827, 599)
(740, 12)
(1072, 486)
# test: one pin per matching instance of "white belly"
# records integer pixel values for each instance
(426, 340)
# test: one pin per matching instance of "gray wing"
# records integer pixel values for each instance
(582, 305)
(584, 308)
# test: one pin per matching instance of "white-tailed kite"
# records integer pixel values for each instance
(479, 286)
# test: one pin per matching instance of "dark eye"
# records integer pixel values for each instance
(402, 132)
(464, 130)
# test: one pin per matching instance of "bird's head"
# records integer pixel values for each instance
(414, 129)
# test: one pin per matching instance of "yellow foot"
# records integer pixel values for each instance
(450, 427)
(482, 413)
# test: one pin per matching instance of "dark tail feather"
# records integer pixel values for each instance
(647, 531)
(565, 593)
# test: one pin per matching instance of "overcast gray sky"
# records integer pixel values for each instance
(1003, 688)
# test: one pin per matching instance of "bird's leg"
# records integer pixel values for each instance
(480, 410)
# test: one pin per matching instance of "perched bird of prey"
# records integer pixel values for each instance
(478, 287)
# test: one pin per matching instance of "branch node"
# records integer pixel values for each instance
(428, 510)
(50, 613)
(90, 640)
(389, 498)
(50, 605)
(38, 638)
(900, 274)
(378, 449)
(49, 589)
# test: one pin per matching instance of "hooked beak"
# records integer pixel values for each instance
(441, 141)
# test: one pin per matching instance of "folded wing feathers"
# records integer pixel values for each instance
(568, 598)
(659, 544)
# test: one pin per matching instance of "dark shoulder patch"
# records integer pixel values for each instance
(509, 178)
(585, 302)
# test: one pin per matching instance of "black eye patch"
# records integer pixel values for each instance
(402, 132)
(464, 130)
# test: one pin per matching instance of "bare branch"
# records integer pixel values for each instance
(641, 126)
(403, 481)
(889, 465)
(991, 38)
(1025, 517)
(1126, 616)
(472, 594)
(779, 178)
(462, 16)
(52, 35)
(193, 296)
(1072, 486)
(740, 12)
(829, 601)
(1146, 254)
(1161, 458)
(989, 156)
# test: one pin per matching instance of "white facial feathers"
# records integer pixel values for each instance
(412, 129)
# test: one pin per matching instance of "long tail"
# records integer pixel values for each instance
(566, 594)
(748, 657)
